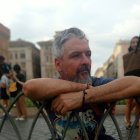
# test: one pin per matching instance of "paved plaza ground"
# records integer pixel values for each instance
(41, 131)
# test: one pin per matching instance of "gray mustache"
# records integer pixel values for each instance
(83, 68)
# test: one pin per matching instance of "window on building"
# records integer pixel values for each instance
(22, 55)
(16, 56)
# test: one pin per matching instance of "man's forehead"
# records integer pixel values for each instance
(75, 40)
(78, 50)
(76, 44)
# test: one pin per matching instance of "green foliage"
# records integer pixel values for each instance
(29, 103)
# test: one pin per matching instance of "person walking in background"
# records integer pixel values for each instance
(4, 81)
(4, 85)
(12, 87)
(131, 103)
(20, 104)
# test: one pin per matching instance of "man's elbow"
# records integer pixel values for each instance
(30, 90)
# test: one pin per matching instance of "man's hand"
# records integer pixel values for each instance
(67, 102)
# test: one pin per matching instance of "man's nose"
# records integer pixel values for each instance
(85, 59)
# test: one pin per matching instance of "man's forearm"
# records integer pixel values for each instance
(122, 88)
(45, 88)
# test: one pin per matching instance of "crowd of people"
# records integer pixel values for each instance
(11, 82)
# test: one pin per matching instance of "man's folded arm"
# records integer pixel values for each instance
(46, 88)
(122, 88)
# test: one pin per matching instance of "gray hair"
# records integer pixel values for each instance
(61, 37)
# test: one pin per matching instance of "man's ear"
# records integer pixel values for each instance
(58, 64)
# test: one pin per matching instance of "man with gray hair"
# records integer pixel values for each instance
(80, 71)
(73, 62)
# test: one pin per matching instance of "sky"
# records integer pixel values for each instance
(105, 22)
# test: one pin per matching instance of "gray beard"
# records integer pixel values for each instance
(77, 79)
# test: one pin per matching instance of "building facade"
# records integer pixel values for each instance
(47, 59)
(113, 67)
(27, 56)
(4, 41)
(120, 49)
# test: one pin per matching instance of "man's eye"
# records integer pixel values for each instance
(76, 55)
